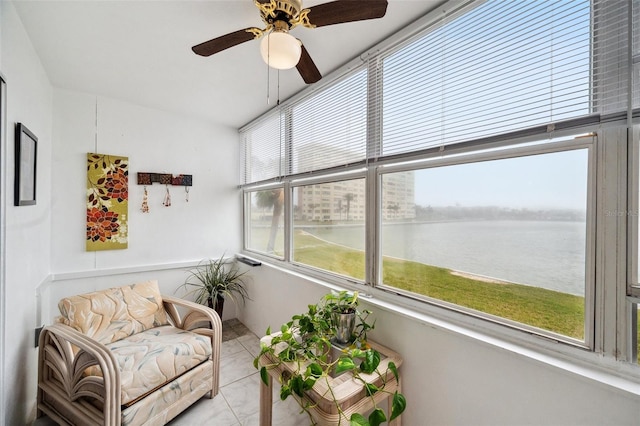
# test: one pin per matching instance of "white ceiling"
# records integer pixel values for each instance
(140, 51)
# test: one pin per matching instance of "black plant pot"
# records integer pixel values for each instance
(219, 305)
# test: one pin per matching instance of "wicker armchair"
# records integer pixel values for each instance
(127, 356)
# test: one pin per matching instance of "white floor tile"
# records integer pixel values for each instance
(206, 410)
(230, 348)
(251, 343)
(243, 396)
(236, 367)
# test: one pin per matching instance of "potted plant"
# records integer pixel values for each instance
(213, 281)
(343, 308)
(306, 342)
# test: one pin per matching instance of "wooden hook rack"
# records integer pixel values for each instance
(145, 178)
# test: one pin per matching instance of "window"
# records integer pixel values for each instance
(330, 127)
(264, 210)
(263, 154)
(500, 67)
(470, 191)
(506, 237)
(334, 240)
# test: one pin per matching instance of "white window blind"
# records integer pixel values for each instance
(611, 68)
(485, 69)
(499, 67)
(636, 53)
(329, 128)
(323, 130)
(262, 150)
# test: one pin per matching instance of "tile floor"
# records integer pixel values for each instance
(237, 402)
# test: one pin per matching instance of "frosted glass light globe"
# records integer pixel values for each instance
(280, 50)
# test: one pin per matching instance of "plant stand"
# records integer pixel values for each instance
(348, 392)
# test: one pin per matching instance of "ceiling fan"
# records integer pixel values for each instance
(281, 50)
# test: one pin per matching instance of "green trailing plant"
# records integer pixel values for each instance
(214, 280)
(306, 342)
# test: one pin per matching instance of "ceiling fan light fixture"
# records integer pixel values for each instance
(280, 50)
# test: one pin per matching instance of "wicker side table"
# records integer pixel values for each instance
(348, 392)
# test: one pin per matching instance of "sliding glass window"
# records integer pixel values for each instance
(264, 223)
(329, 227)
(506, 237)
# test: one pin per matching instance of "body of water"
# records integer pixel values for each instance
(548, 254)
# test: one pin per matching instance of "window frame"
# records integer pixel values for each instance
(633, 271)
(507, 150)
(633, 243)
(512, 148)
(246, 220)
(318, 179)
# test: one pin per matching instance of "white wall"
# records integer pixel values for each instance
(166, 240)
(28, 228)
(155, 141)
(455, 379)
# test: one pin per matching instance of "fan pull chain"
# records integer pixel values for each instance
(268, 70)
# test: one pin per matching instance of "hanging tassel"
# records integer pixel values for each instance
(186, 190)
(167, 198)
(145, 201)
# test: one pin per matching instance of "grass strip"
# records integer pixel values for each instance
(546, 309)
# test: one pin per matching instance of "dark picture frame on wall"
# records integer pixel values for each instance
(25, 169)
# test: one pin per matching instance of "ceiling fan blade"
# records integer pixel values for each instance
(226, 41)
(341, 11)
(307, 68)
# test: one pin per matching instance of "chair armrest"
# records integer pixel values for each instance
(195, 316)
(64, 355)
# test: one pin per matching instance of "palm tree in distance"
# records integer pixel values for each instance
(349, 197)
(267, 199)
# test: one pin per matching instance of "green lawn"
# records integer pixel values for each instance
(550, 310)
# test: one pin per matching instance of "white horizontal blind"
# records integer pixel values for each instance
(262, 150)
(636, 53)
(329, 128)
(324, 130)
(611, 70)
(488, 68)
(499, 67)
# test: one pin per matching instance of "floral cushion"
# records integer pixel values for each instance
(149, 359)
(113, 314)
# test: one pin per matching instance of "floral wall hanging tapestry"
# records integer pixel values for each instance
(107, 202)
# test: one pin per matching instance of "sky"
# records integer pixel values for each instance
(545, 181)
